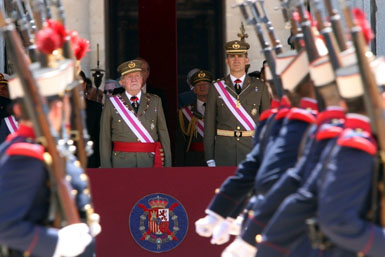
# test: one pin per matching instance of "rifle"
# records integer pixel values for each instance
(328, 36)
(267, 50)
(336, 25)
(372, 96)
(270, 28)
(311, 48)
(38, 111)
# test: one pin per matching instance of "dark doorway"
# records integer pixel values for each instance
(200, 38)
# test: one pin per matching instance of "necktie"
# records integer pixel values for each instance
(237, 86)
(134, 103)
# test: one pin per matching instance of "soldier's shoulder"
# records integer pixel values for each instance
(153, 96)
(358, 139)
(301, 115)
(26, 149)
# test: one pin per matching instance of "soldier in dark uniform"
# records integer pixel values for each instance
(301, 207)
(189, 149)
(233, 108)
(133, 126)
(26, 223)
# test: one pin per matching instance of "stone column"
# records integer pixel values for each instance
(87, 17)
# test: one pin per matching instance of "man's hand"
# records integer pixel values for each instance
(205, 226)
(73, 240)
(211, 163)
(239, 248)
(221, 233)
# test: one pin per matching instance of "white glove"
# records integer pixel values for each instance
(236, 225)
(73, 240)
(205, 226)
(239, 248)
(221, 233)
(211, 163)
(94, 225)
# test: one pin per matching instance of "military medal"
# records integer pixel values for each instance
(238, 104)
(152, 126)
(254, 111)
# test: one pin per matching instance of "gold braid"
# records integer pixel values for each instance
(191, 128)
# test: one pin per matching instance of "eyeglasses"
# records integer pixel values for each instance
(108, 91)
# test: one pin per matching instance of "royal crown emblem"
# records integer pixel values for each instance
(158, 223)
(201, 74)
(236, 45)
(131, 65)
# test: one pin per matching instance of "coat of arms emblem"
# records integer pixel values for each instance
(158, 223)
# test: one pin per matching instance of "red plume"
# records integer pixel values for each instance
(80, 45)
(364, 24)
(81, 48)
(47, 40)
(59, 29)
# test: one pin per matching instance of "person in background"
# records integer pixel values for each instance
(188, 97)
(189, 148)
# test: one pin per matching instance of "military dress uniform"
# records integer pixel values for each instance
(226, 140)
(189, 148)
(119, 146)
(328, 125)
(25, 222)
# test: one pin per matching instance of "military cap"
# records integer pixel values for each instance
(130, 66)
(201, 75)
(3, 80)
(236, 47)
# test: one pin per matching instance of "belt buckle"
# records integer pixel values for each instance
(237, 133)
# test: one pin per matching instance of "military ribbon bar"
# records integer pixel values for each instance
(11, 123)
(189, 115)
(238, 111)
(132, 121)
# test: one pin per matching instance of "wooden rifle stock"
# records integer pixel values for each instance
(373, 99)
(330, 40)
(38, 112)
(311, 48)
(336, 25)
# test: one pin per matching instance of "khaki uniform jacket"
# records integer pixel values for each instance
(226, 150)
(189, 158)
(113, 128)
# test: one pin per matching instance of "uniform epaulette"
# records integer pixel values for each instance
(302, 115)
(328, 132)
(26, 149)
(358, 139)
(266, 114)
(282, 113)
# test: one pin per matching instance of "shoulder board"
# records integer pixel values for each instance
(282, 113)
(357, 141)
(26, 149)
(328, 133)
(266, 114)
(302, 115)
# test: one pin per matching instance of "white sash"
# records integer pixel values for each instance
(239, 112)
(12, 124)
(189, 115)
(132, 121)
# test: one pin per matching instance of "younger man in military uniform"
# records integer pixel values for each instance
(233, 108)
(190, 151)
(133, 130)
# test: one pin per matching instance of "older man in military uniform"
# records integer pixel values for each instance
(133, 130)
(233, 108)
(189, 148)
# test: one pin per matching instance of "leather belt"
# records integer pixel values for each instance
(235, 133)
